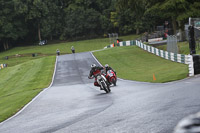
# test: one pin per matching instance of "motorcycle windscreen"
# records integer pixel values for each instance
(110, 73)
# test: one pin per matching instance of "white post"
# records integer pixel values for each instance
(136, 42)
(191, 65)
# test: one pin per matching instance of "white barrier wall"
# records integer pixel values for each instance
(186, 59)
(180, 58)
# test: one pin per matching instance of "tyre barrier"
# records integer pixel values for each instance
(180, 58)
(196, 59)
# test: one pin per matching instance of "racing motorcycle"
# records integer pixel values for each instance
(111, 77)
(102, 81)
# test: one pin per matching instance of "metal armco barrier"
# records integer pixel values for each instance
(180, 58)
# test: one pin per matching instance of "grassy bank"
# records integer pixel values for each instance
(134, 63)
(49, 49)
(22, 82)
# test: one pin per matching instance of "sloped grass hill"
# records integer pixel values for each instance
(133, 63)
(21, 83)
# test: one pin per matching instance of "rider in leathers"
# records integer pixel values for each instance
(107, 67)
(95, 70)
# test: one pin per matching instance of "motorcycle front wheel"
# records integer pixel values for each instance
(114, 81)
(105, 87)
(108, 86)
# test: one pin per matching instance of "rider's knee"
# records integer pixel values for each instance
(96, 84)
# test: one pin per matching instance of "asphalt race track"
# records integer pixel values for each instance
(73, 105)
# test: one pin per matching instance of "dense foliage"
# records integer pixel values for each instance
(26, 21)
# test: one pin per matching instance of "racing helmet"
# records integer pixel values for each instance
(93, 66)
(106, 65)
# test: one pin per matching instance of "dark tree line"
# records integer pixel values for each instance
(28, 21)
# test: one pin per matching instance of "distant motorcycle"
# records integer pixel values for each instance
(102, 81)
(111, 77)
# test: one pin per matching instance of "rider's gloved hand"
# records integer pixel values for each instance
(90, 77)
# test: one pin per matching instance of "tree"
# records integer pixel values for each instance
(135, 9)
(194, 8)
(37, 12)
(51, 24)
(85, 19)
(32, 20)
(176, 10)
(11, 23)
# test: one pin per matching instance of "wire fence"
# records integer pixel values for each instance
(172, 44)
(113, 37)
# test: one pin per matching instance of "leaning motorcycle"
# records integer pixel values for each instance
(111, 77)
(102, 81)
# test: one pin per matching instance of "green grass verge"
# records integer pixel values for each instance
(80, 46)
(20, 55)
(20, 83)
(133, 63)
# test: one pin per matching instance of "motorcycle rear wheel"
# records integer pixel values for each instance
(114, 81)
